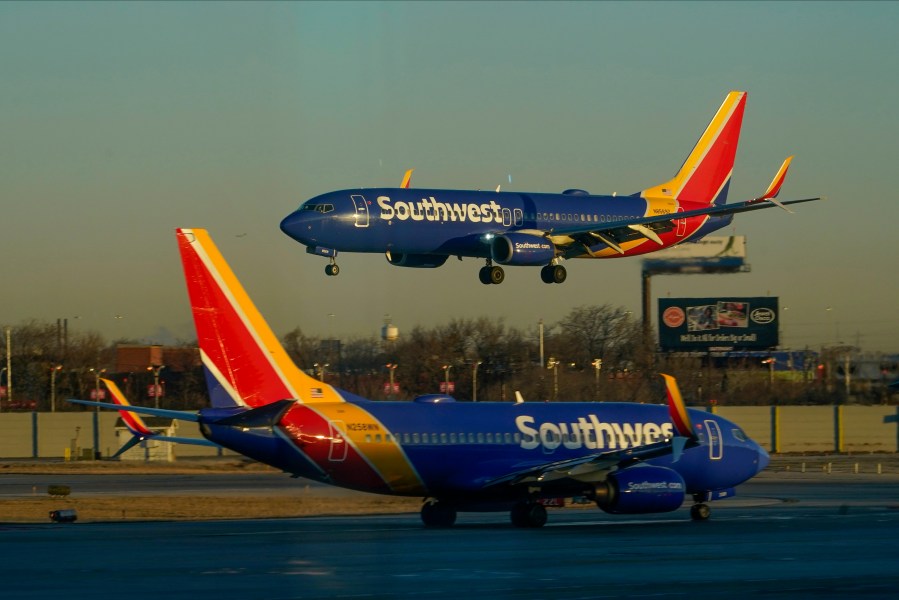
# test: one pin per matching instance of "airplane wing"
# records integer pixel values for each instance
(588, 468)
(614, 234)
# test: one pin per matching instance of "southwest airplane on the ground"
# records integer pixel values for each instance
(458, 456)
(139, 430)
(422, 228)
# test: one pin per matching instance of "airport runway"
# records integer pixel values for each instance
(786, 536)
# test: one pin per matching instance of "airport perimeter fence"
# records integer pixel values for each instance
(778, 429)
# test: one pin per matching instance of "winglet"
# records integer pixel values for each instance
(774, 189)
(407, 179)
(776, 183)
(676, 408)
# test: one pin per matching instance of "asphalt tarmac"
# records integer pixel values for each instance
(786, 535)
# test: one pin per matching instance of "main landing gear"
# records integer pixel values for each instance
(553, 274)
(491, 274)
(437, 514)
(332, 270)
(528, 514)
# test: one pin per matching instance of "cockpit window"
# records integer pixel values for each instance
(739, 435)
(322, 208)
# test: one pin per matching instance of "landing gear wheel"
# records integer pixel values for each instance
(332, 270)
(528, 514)
(700, 512)
(553, 274)
(484, 275)
(497, 275)
(546, 274)
(437, 514)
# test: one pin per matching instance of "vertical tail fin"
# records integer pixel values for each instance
(245, 363)
(705, 175)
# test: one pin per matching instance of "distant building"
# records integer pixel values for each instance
(134, 358)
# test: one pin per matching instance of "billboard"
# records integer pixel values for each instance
(707, 255)
(718, 324)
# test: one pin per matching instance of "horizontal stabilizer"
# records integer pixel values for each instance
(264, 416)
(181, 415)
(136, 439)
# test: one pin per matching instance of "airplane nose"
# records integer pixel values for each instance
(764, 459)
(293, 225)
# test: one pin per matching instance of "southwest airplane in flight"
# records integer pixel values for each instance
(458, 456)
(424, 227)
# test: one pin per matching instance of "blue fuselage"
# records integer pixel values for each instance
(459, 222)
(459, 448)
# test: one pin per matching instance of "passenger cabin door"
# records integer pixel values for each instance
(361, 211)
(338, 449)
(716, 444)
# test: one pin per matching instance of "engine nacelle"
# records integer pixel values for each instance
(641, 489)
(522, 249)
(417, 261)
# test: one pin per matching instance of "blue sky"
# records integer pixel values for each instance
(124, 121)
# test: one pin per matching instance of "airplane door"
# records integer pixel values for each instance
(338, 449)
(681, 224)
(361, 211)
(519, 217)
(716, 444)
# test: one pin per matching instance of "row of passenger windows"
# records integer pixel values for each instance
(580, 217)
(574, 217)
(483, 438)
(446, 438)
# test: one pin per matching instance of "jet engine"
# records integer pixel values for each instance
(522, 249)
(418, 261)
(641, 489)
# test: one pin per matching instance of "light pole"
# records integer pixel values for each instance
(554, 365)
(53, 372)
(156, 369)
(321, 370)
(8, 364)
(97, 373)
(391, 367)
(597, 366)
(446, 372)
(474, 380)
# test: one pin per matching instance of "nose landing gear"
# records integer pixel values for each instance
(332, 270)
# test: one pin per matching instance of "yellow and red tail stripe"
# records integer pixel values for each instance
(708, 168)
(236, 341)
(242, 353)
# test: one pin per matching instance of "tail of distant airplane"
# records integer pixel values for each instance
(133, 421)
(705, 175)
(137, 426)
(245, 363)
